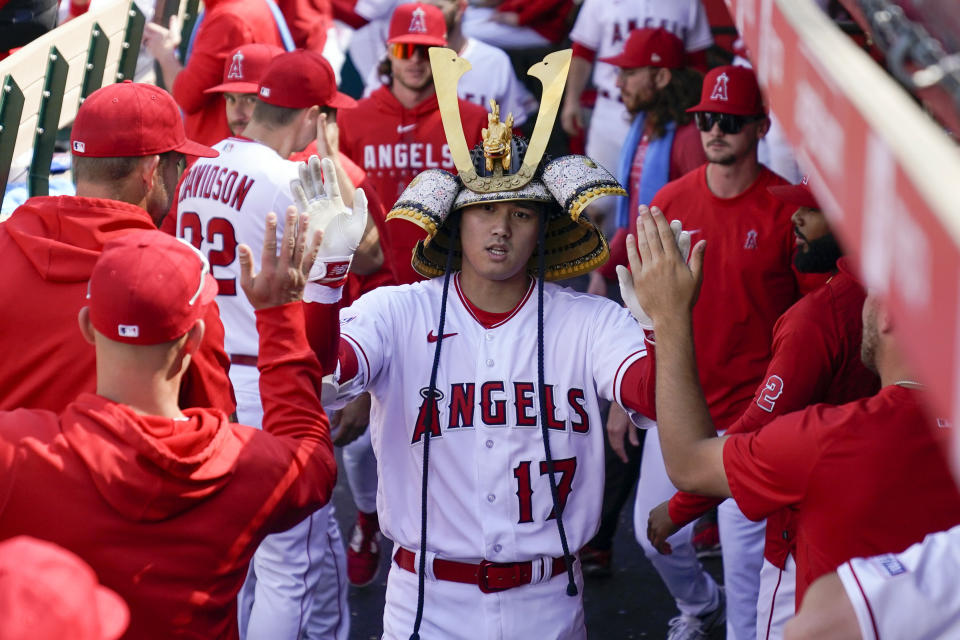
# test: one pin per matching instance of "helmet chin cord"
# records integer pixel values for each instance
(431, 412)
(541, 393)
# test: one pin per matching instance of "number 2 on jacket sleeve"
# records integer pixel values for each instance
(771, 391)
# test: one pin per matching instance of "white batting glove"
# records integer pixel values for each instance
(627, 292)
(342, 228)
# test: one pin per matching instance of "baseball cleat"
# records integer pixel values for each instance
(363, 552)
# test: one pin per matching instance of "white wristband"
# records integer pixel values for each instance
(316, 292)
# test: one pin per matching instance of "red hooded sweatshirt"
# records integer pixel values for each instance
(47, 250)
(169, 512)
(226, 25)
(393, 144)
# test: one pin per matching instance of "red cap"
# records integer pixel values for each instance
(131, 119)
(244, 67)
(418, 23)
(149, 287)
(48, 593)
(731, 89)
(650, 48)
(798, 194)
(301, 79)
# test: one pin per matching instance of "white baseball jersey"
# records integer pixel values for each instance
(604, 26)
(489, 496)
(224, 202)
(491, 76)
(907, 596)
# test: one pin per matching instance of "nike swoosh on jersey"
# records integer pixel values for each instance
(403, 128)
(432, 337)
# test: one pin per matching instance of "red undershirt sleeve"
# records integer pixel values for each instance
(637, 388)
(323, 334)
(582, 51)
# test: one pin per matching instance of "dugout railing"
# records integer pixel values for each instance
(886, 174)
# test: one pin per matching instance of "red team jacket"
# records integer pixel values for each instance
(748, 282)
(393, 144)
(226, 25)
(169, 512)
(816, 358)
(865, 478)
(47, 250)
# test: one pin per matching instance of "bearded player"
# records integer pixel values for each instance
(815, 358)
(486, 385)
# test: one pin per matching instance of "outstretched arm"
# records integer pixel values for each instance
(666, 288)
(289, 371)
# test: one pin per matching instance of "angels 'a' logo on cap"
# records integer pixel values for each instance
(265, 92)
(720, 88)
(418, 21)
(79, 147)
(804, 180)
(236, 67)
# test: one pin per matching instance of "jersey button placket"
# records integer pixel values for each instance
(493, 472)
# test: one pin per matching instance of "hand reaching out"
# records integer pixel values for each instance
(660, 527)
(282, 276)
(665, 287)
(627, 293)
(317, 194)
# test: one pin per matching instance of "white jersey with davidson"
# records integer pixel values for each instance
(223, 202)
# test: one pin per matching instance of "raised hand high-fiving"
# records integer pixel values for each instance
(665, 286)
(317, 194)
(282, 275)
(627, 293)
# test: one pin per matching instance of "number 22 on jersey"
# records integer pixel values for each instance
(220, 233)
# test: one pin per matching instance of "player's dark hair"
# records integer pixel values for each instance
(432, 411)
(671, 103)
(542, 395)
(385, 71)
(273, 116)
(103, 170)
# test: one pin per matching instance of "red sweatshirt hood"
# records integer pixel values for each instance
(388, 103)
(62, 235)
(149, 468)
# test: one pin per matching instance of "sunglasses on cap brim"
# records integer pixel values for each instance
(406, 50)
(728, 122)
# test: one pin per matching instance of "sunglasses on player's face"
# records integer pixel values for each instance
(729, 123)
(405, 50)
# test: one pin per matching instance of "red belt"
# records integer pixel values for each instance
(239, 358)
(490, 577)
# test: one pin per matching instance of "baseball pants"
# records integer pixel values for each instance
(777, 601)
(742, 541)
(296, 584)
(691, 586)
(455, 611)
(360, 467)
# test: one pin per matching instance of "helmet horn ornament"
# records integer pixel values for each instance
(448, 67)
